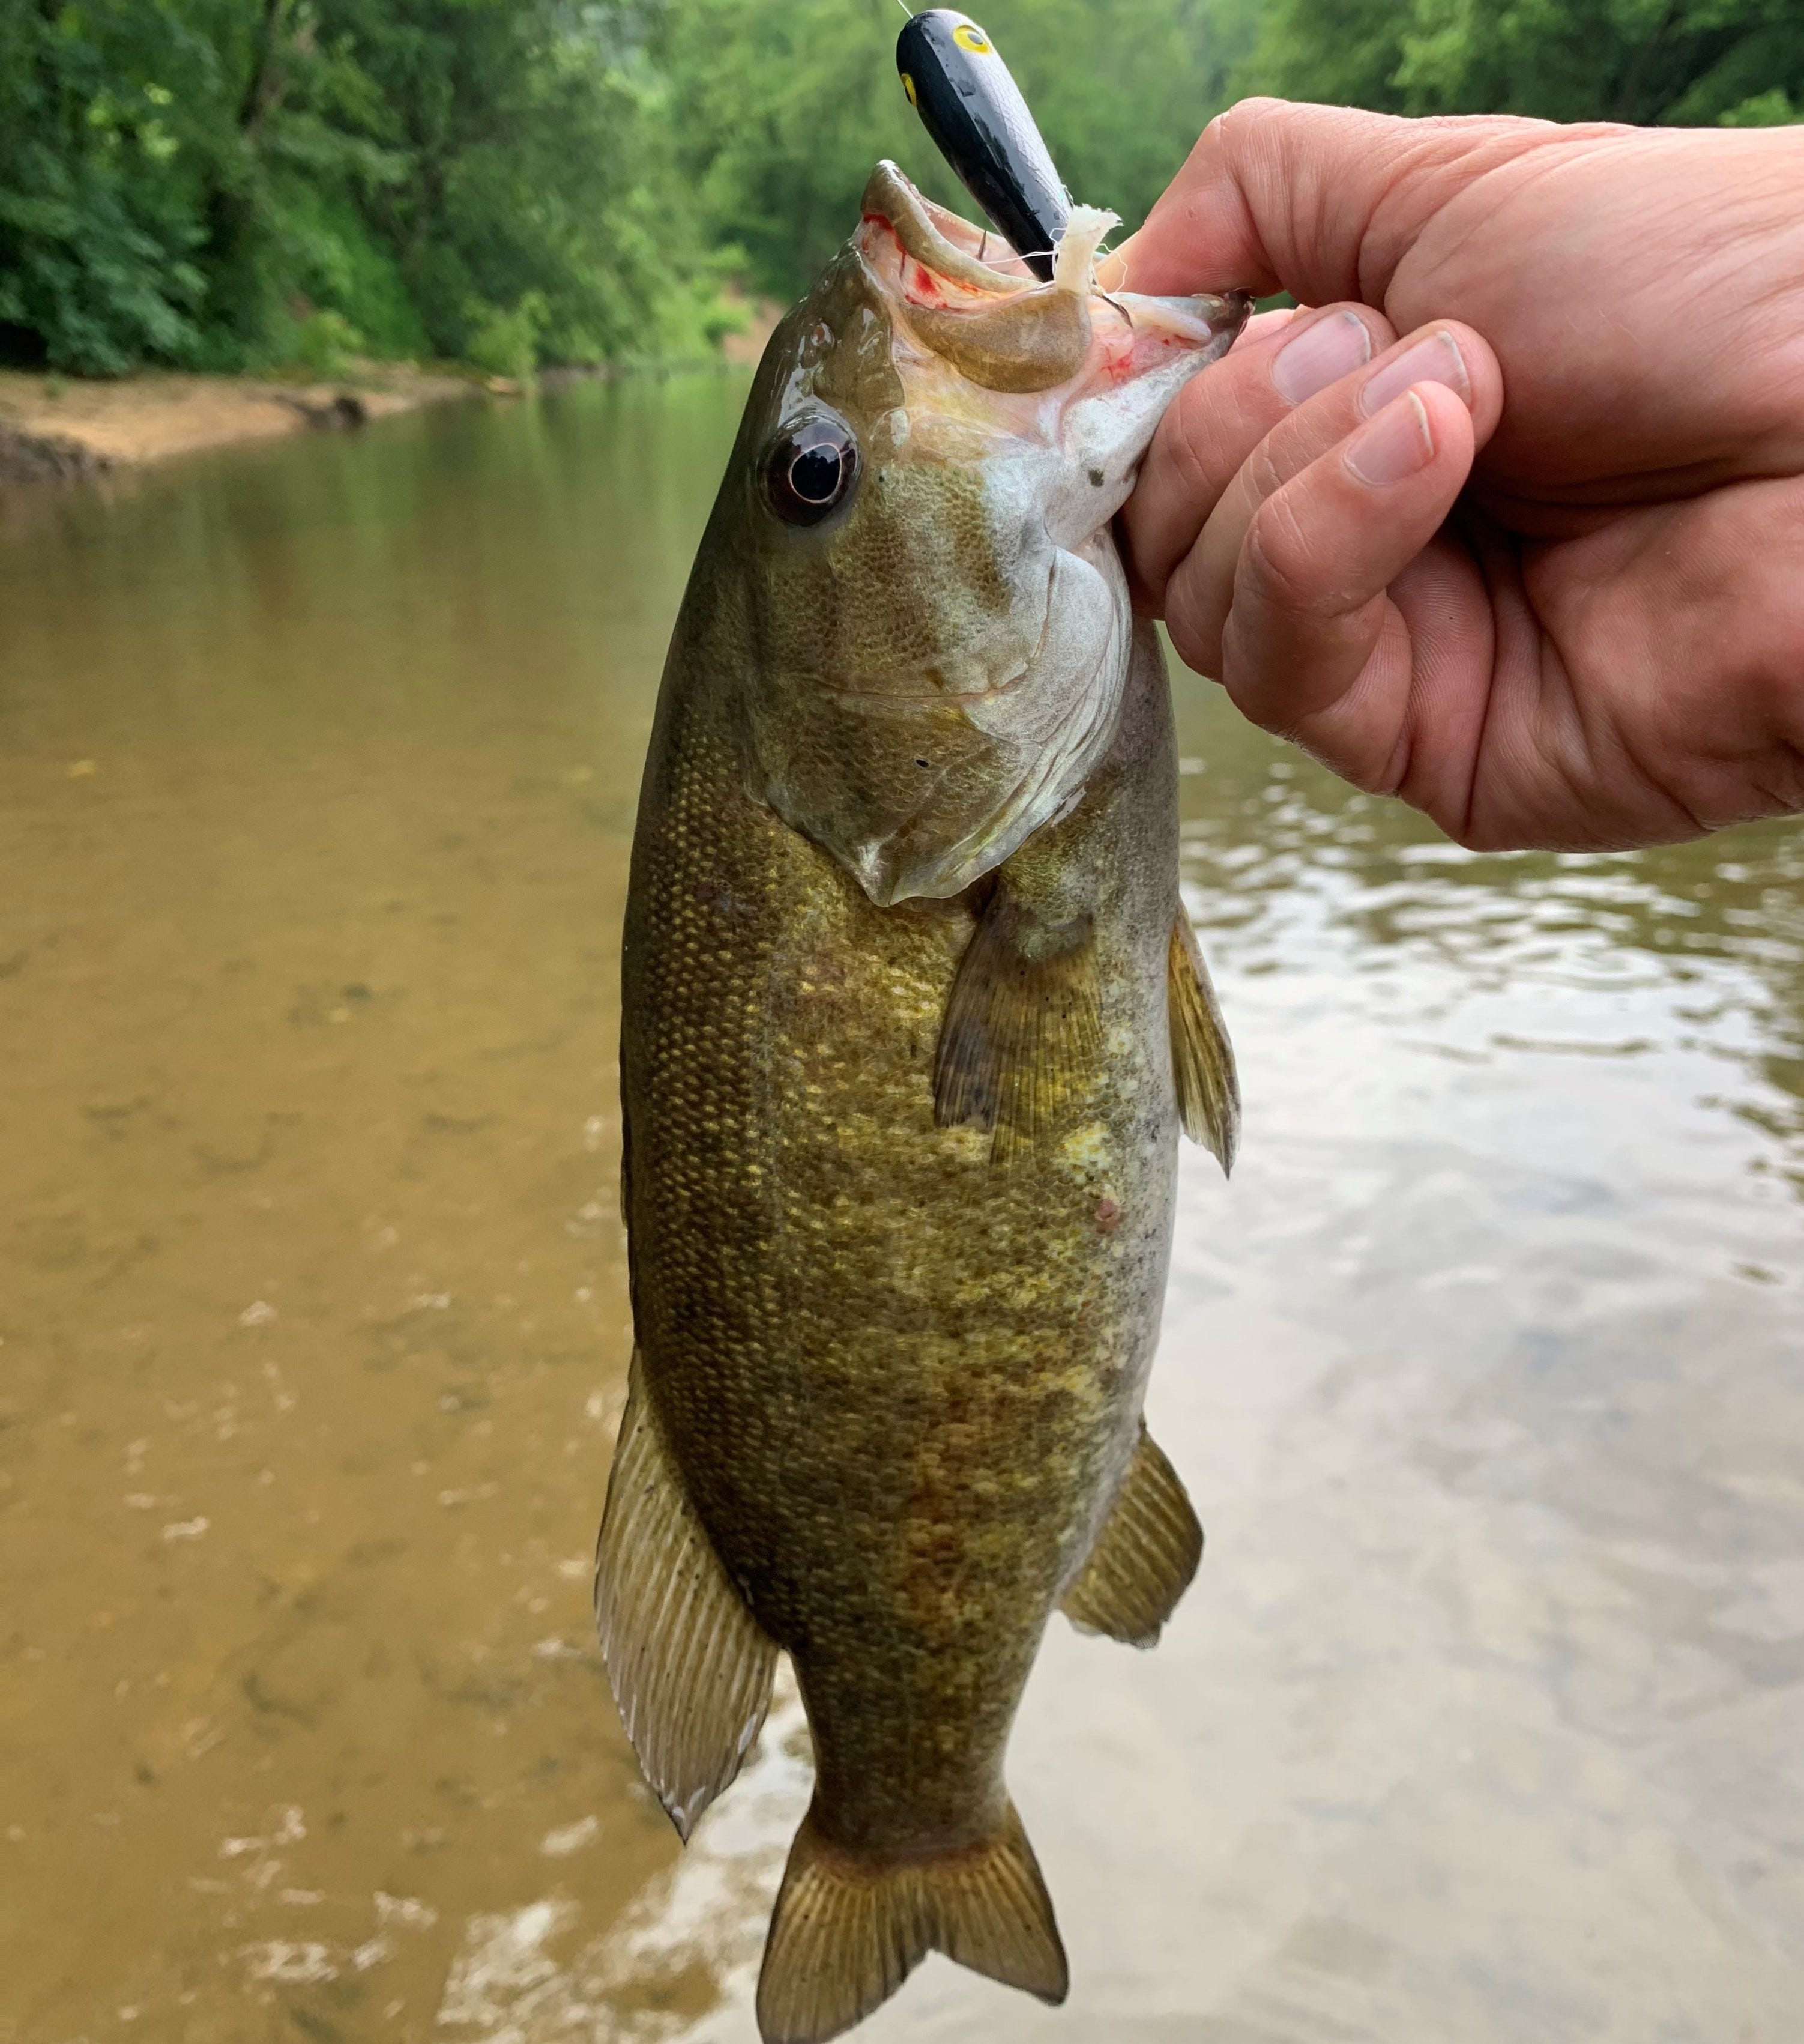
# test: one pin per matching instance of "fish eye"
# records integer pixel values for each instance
(811, 469)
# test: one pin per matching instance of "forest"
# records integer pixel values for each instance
(249, 184)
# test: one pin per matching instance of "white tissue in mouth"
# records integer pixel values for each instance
(1074, 261)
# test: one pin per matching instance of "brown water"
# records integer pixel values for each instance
(1483, 1721)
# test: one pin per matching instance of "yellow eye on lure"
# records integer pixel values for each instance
(956, 81)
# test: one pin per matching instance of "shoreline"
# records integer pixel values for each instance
(59, 428)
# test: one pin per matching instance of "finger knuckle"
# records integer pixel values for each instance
(1240, 674)
(1194, 629)
(1284, 561)
(1192, 447)
(1246, 116)
(1264, 470)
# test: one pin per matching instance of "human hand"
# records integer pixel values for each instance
(1551, 592)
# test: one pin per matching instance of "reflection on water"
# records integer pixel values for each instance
(316, 768)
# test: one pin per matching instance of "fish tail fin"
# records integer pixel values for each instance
(992, 1912)
(850, 1928)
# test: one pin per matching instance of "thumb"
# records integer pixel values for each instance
(1323, 201)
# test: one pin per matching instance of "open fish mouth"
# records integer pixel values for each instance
(968, 297)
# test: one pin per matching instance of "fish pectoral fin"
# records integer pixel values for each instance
(690, 1669)
(850, 1927)
(1208, 1087)
(1023, 1027)
(1144, 1557)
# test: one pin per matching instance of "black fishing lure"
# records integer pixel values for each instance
(959, 85)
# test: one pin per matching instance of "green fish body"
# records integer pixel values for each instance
(911, 1016)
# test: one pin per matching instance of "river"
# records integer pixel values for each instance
(1482, 1722)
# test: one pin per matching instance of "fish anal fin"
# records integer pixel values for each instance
(690, 1669)
(1208, 1087)
(1023, 1029)
(1144, 1557)
(850, 1927)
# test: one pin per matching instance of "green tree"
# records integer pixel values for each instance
(99, 215)
(1690, 62)
(779, 111)
(778, 115)
(198, 181)
(529, 159)
(1122, 88)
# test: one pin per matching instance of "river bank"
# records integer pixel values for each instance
(54, 427)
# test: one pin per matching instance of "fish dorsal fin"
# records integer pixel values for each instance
(1208, 1087)
(850, 1927)
(690, 1669)
(1144, 1556)
(1023, 1025)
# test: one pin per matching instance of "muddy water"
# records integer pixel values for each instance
(316, 768)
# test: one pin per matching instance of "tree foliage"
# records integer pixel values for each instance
(197, 181)
(223, 183)
(1687, 62)
(779, 110)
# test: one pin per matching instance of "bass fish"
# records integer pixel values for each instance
(912, 1014)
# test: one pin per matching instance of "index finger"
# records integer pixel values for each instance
(1323, 201)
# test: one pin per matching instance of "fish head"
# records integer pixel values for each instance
(920, 510)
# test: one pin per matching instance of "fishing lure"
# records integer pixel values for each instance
(956, 81)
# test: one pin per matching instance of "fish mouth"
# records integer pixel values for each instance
(966, 296)
(947, 247)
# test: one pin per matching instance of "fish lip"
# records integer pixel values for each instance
(1200, 319)
(892, 200)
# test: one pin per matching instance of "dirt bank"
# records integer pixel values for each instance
(53, 426)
